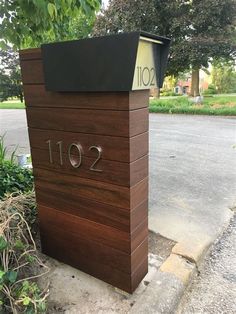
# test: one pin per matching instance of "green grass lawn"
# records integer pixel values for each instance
(12, 105)
(215, 105)
(212, 105)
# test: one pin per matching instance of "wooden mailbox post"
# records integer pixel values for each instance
(87, 113)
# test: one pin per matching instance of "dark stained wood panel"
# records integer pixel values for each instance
(95, 221)
(37, 96)
(104, 122)
(114, 172)
(32, 72)
(138, 122)
(139, 274)
(114, 148)
(138, 193)
(30, 54)
(90, 230)
(107, 193)
(85, 249)
(115, 217)
(106, 272)
(138, 99)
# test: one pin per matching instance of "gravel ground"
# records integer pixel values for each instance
(214, 290)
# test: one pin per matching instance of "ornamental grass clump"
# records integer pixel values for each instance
(13, 178)
(20, 264)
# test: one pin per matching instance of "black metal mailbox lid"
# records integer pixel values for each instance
(99, 64)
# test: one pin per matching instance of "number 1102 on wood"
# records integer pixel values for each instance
(78, 150)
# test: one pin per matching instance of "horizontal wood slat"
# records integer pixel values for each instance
(116, 217)
(104, 122)
(98, 191)
(37, 96)
(89, 230)
(30, 54)
(85, 249)
(114, 148)
(111, 171)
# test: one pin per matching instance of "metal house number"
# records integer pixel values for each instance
(75, 163)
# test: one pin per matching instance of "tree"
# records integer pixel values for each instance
(82, 26)
(210, 35)
(224, 77)
(155, 16)
(200, 30)
(10, 78)
(27, 23)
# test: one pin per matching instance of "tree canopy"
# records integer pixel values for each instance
(25, 23)
(200, 30)
(224, 77)
(10, 78)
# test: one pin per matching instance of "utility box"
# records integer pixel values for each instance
(87, 112)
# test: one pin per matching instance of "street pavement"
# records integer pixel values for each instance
(13, 124)
(192, 171)
(214, 290)
(192, 175)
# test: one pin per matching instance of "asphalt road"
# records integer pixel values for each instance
(192, 175)
(214, 290)
(13, 124)
(192, 171)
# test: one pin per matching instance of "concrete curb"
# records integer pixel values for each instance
(166, 289)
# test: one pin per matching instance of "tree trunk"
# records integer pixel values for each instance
(155, 92)
(195, 83)
(21, 97)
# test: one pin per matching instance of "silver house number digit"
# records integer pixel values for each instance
(99, 152)
(75, 163)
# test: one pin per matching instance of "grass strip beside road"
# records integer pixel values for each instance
(224, 105)
(216, 105)
(12, 105)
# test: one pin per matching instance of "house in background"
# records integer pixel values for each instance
(183, 87)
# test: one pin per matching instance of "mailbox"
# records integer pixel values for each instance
(87, 114)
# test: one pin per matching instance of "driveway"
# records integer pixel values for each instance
(192, 171)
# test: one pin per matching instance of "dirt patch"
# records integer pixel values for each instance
(197, 106)
(160, 245)
(227, 105)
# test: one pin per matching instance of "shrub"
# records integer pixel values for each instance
(4, 151)
(20, 264)
(14, 178)
(169, 93)
(210, 91)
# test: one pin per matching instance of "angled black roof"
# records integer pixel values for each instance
(104, 63)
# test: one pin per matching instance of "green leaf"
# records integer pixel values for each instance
(25, 285)
(19, 245)
(42, 307)
(30, 258)
(2, 273)
(11, 276)
(3, 244)
(26, 301)
(51, 9)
